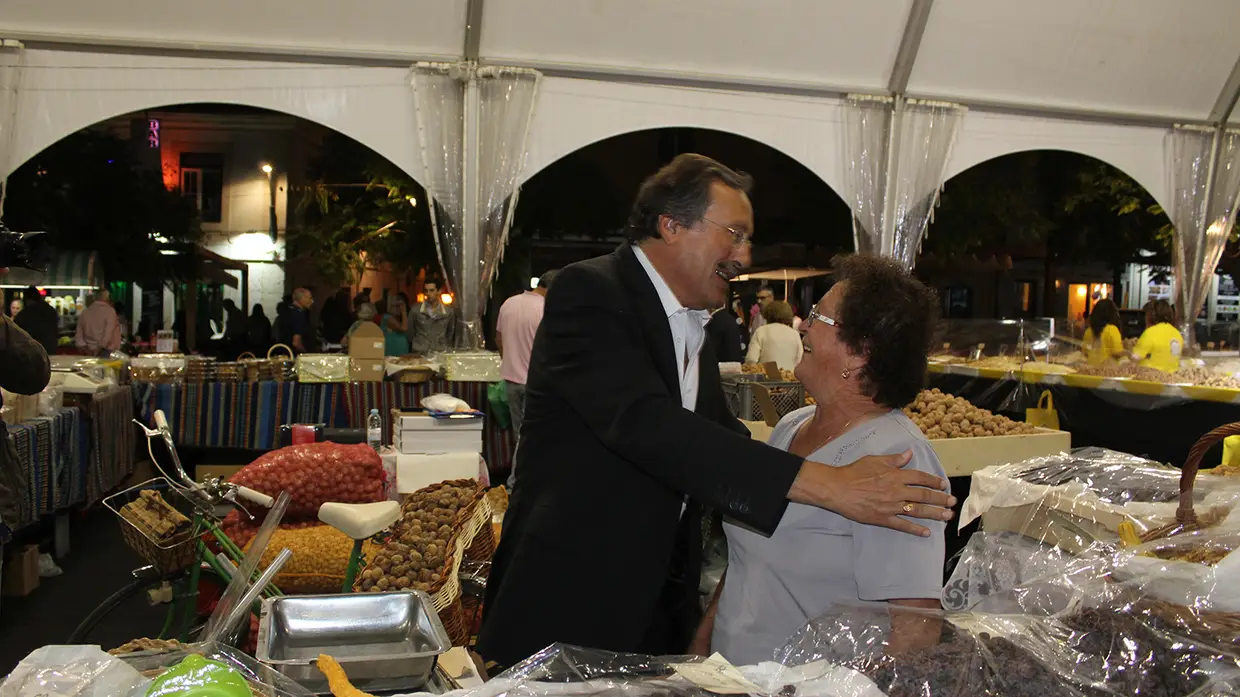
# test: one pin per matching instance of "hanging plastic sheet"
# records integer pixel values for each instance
(439, 102)
(867, 124)
(897, 153)
(12, 60)
(506, 99)
(1203, 176)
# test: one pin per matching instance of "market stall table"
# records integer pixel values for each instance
(248, 416)
(51, 451)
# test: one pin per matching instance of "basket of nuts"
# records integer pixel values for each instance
(438, 524)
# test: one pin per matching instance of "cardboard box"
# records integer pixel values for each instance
(419, 420)
(367, 370)
(440, 440)
(415, 472)
(366, 342)
(21, 572)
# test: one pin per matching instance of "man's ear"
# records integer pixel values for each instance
(669, 229)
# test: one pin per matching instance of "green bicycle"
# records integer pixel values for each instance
(176, 568)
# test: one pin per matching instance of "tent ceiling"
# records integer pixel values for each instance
(1157, 60)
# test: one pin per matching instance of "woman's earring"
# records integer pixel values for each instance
(845, 373)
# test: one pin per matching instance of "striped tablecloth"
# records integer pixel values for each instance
(50, 451)
(238, 415)
(112, 440)
(249, 415)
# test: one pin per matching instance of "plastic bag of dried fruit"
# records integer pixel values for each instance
(1118, 646)
(1072, 500)
(316, 473)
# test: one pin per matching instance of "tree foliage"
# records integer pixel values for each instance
(1070, 207)
(90, 192)
(357, 211)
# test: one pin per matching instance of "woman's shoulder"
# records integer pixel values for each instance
(898, 433)
(792, 421)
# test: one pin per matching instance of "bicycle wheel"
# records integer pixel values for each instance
(130, 590)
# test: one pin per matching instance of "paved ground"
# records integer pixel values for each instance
(97, 565)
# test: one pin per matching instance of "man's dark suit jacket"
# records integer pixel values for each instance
(595, 551)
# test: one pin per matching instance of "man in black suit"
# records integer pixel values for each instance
(627, 434)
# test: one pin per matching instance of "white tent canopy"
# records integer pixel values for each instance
(787, 274)
(1101, 78)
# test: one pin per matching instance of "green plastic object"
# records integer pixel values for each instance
(198, 677)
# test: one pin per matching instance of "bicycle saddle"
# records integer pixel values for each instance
(360, 520)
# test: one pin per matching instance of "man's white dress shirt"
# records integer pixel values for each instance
(688, 333)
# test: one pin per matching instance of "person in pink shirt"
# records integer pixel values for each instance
(98, 329)
(514, 333)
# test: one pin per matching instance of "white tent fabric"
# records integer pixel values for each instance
(1104, 78)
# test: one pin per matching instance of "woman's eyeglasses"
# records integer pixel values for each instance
(816, 316)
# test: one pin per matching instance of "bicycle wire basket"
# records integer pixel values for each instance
(169, 553)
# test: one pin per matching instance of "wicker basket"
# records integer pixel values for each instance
(199, 370)
(230, 372)
(456, 622)
(1187, 519)
(282, 369)
(167, 556)
(254, 369)
(483, 546)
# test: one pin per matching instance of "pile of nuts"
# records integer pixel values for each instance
(420, 554)
(941, 415)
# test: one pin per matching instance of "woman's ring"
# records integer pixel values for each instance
(908, 508)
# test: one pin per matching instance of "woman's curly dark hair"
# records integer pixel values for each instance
(888, 317)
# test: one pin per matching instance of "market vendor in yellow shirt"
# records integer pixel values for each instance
(1103, 343)
(1161, 344)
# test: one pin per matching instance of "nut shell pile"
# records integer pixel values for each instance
(941, 415)
(419, 555)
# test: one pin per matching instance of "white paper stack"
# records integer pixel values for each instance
(418, 434)
(415, 472)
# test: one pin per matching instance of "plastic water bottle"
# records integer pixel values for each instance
(374, 430)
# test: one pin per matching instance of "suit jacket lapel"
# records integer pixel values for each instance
(652, 317)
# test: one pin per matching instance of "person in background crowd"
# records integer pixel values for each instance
(40, 320)
(724, 335)
(623, 398)
(742, 325)
(122, 321)
(431, 323)
(776, 340)
(15, 307)
(258, 331)
(766, 296)
(395, 327)
(867, 343)
(365, 313)
(1161, 343)
(280, 325)
(24, 369)
(301, 336)
(234, 321)
(1102, 343)
(99, 330)
(515, 328)
(336, 316)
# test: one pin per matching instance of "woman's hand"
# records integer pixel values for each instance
(875, 490)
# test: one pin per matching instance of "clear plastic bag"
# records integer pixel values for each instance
(1073, 500)
(1112, 647)
(262, 679)
(73, 671)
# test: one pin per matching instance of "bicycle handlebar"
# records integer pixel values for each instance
(257, 497)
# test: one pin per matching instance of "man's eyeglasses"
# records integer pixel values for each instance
(816, 316)
(739, 237)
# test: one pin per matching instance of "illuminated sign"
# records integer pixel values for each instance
(152, 133)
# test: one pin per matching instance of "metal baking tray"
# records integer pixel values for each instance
(384, 641)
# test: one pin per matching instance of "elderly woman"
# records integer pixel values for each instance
(366, 312)
(776, 341)
(865, 358)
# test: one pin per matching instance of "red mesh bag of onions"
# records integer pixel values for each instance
(315, 473)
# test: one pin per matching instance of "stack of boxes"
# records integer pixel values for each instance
(431, 450)
(366, 354)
